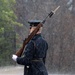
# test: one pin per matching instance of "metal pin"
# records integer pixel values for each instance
(27, 66)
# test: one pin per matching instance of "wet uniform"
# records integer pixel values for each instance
(34, 56)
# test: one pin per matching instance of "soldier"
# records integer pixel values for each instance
(34, 54)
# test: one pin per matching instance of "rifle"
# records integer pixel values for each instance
(19, 52)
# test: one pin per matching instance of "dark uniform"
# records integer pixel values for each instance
(34, 56)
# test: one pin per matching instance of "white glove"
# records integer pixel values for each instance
(14, 57)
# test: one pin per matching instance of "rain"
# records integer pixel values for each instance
(58, 30)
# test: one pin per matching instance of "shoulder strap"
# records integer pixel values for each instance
(34, 44)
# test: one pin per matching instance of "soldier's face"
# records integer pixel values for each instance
(32, 29)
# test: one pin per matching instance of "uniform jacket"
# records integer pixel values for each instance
(35, 49)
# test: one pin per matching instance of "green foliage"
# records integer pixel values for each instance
(7, 16)
(7, 34)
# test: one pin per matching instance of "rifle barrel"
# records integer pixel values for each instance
(50, 14)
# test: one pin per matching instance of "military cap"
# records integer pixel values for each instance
(34, 22)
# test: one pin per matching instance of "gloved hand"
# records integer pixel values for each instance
(14, 57)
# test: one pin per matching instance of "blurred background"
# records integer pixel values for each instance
(59, 31)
